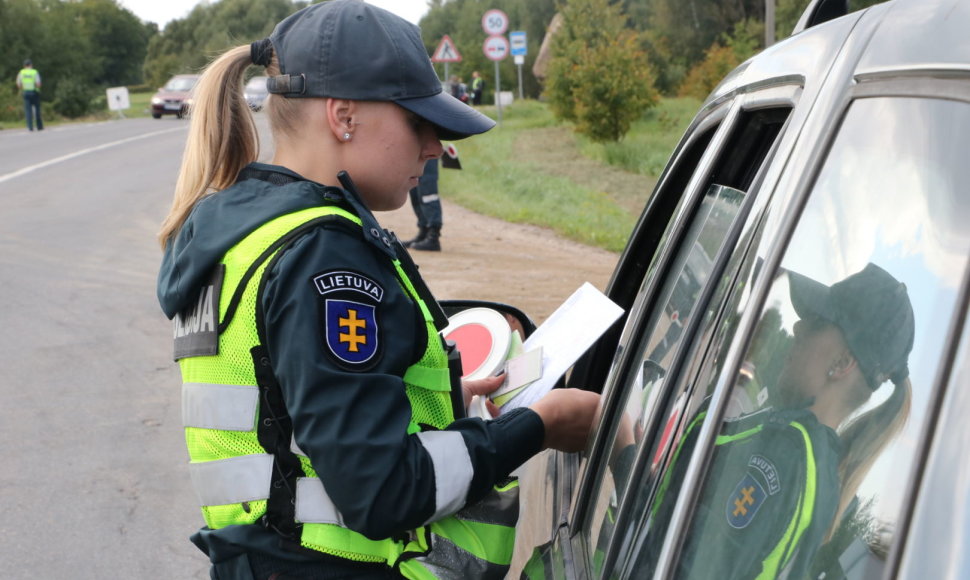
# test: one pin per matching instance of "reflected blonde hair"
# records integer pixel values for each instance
(864, 439)
(222, 134)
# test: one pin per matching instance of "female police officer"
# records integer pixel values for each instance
(321, 418)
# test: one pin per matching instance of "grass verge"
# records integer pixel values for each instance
(533, 169)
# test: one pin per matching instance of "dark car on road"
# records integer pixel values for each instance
(786, 395)
(175, 97)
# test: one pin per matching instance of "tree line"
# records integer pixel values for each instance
(621, 53)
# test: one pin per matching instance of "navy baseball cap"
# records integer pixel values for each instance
(348, 49)
(875, 315)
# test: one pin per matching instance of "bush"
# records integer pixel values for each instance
(700, 81)
(11, 104)
(74, 98)
(599, 78)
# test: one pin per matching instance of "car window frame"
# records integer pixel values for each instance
(720, 117)
(594, 367)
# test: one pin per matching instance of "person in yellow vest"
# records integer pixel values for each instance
(28, 81)
(323, 413)
(478, 87)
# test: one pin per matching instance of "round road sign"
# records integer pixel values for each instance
(496, 48)
(495, 22)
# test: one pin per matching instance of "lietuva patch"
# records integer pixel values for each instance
(759, 482)
(744, 503)
(197, 327)
(351, 330)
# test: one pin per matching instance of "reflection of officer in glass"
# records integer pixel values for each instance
(782, 476)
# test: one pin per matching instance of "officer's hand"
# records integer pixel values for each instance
(568, 416)
(486, 386)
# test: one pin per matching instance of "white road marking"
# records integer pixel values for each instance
(56, 160)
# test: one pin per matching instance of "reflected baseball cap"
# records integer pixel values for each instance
(348, 49)
(875, 315)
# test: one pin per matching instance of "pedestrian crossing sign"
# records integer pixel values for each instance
(446, 51)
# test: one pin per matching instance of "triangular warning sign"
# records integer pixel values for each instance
(446, 51)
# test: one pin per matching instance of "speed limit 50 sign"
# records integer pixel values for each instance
(495, 22)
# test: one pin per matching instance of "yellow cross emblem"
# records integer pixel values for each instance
(741, 503)
(352, 324)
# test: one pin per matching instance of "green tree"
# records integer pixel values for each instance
(679, 32)
(599, 78)
(186, 45)
(722, 57)
(118, 41)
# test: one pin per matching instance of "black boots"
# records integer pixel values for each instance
(426, 241)
(422, 234)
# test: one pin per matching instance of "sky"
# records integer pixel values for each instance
(163, 12)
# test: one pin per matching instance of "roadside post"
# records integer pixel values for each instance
(519, 50)
(496, 47)
(446, 52)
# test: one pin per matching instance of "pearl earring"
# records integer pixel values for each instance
(346, 136)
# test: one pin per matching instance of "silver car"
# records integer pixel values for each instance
(787, 394)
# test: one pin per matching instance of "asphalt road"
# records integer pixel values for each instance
(93, 482)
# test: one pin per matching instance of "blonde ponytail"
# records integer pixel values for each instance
(222, 138)
(866, 436)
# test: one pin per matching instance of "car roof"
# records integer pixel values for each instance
(920, 35)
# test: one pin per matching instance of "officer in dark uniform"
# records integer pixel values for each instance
(322, 411)
(427, 207)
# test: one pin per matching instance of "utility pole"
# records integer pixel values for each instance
(769, 22)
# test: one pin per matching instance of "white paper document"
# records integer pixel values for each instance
(564, 337)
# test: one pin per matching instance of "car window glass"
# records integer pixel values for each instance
(809, 479)
(676, 304)
(180, 84)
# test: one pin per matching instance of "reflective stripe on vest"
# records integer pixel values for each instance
(313, 505)
(224, 407)
(232, 480)
(452, 470)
